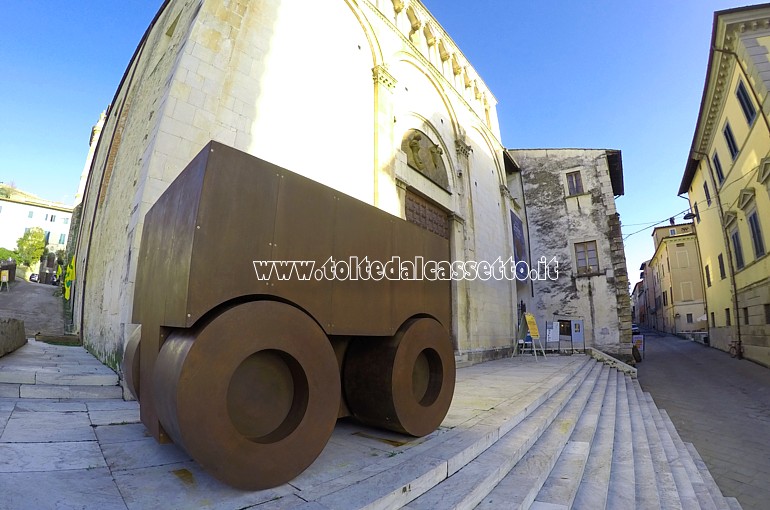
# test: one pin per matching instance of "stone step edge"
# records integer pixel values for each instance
(584, 432)
(36, 391)
(698, 485)
(622, 490)
(435, 498)
(613, 362)
(645, 479)
(592, 492)
(684, 487)
(708, 480)
(666, 484)
(395, 485)
(407, 492)
(577, 447)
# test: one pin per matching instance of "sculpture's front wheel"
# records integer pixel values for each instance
(252, 396)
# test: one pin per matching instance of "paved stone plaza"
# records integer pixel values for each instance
(547, 433)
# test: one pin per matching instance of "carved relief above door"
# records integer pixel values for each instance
(425, 156)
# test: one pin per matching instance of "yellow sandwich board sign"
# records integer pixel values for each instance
(532, 326)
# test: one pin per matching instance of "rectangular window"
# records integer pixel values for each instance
(737, 249)
(26, 230)
(65, 221)
(745, 315)
(47, 236)
(672, 231)
(574, 183)
(722, 267)
(713, 320)
(756, 234)
(708, 277)
(587, 260)
(746, 104)
(727, 317)
(62, 237)
(29, 215)
(708, 195)
(767, 314)
(46, 218)
(53, 218)
(1, 208)
(682, 259)
(665, 298)
(718, 167)
(732, 146)
(697, 213)
(689, 318)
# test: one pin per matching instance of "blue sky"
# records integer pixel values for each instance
(599, 74)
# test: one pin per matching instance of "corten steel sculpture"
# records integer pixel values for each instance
(250, 376)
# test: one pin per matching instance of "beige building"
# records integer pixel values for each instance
(341, 92)
(20, 211)
(569, 197)
(676, 285)
(727, 179)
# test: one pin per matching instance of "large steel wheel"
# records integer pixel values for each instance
(404, 383)
(131, 356)
(252, 396)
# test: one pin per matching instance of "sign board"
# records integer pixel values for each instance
(532, 326)
(4, 276)
(638, 341)
(552, 332)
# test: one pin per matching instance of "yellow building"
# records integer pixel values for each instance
(676, 287)
(727, 179)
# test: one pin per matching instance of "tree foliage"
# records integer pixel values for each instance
(31, 246)
(6, 254)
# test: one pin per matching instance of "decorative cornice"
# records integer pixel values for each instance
(505, 192)
(746, 198)
(401, 184)
(763, 176)
(730, 217)
(382, 76)
(732, 33)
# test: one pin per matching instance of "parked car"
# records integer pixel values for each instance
(635, 329)
(34, 277)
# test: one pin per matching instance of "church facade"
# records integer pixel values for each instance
(375, 101)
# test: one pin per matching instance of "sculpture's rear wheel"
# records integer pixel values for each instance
(252, 396)
(131, 362)
(404, 383)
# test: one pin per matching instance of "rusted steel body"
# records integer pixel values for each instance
(245, 374)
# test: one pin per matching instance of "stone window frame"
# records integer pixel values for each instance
(583, 249)
(747, 105)
(735, 239)
(728, 319)
(718, 167)
(722, 273)
(755, 230)
(689, 318)
(574, 185)
(732, 144)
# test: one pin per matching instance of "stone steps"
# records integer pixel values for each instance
(597, 441)
(40, 370)
(554, 433)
